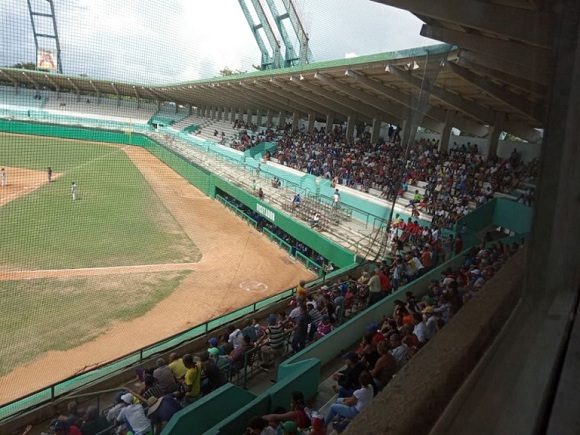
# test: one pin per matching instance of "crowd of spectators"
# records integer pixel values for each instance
(391, 342)
(455, 181)
(250, 135)
(385, 347)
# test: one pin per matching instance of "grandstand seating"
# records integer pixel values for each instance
(109, 109)
(23, 98)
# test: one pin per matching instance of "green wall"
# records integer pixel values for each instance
(330, 250)
(499, 212)
(208, 411)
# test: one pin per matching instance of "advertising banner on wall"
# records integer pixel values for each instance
(45, 60)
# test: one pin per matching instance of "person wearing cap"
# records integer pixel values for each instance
(348, 377)
(350, 407)
(289, 428)
(164, 377)
(61, 427)
(213, 348)
(430, 322)
(160, 410)
(134, 416)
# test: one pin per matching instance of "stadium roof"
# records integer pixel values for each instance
(434, 84)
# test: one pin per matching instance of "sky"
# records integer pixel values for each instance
(165, 41)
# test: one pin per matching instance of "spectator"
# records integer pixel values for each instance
(348, 377)
(297, 412)
(350, 407)
(385, 366)
(94, 423)
(259, 426)
(214, 377)
(164, 377)
(160, 410)
(192, 378)
(61, 427)
(176, 365)
(300, 328)
(134, 416)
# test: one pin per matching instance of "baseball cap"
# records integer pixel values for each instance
(127, 398)
(60, 425)
(213, 342)
(290, 427)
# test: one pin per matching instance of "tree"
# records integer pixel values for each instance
(227, 71)
(24, 65)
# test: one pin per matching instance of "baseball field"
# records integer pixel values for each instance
(139, 255)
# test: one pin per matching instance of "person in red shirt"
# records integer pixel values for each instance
(426, 258)
(61, 427)
(385, 282)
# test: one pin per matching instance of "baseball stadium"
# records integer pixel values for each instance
(289, 217)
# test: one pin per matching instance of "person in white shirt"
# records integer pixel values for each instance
(420, 329)
(134, 416)
(336, 199)
(350, 407)
(399, 350)
(235, 337)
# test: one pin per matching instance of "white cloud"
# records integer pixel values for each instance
(160, 41)
(350, 55)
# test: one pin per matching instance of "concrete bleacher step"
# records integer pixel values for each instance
(352, 235)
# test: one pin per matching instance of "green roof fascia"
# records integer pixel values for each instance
(344, 63)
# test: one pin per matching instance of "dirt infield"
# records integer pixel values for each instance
(21, 182)
(239, 266)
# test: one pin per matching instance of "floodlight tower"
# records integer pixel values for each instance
(38, 17)
(304, 56)
(269, 61)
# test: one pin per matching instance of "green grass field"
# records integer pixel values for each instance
(58, 314)
(117, 221)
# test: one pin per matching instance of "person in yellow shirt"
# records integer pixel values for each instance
(176, 365)
(301, 291)
(192, 378)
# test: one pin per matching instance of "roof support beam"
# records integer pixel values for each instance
(533, 74)
(532, 27)
(52, 82)
(350, 106)
(298, 104)
(313, 101)
(10, 78)
(75, 87)
(522, 105)
(514, 52)
(396, 114)
(508, 79)
(468, 107)
(266, 96)
(435, 113)
(34, 83)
